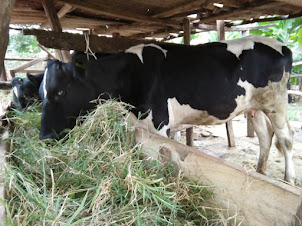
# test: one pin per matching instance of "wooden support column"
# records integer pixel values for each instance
(229, 124)
(5, 15)
(250, 128)
(3, 76)
(187, 33)
(55, 24)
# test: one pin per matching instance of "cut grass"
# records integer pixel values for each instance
(95, 176)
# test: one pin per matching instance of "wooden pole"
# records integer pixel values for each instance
(229, 124)
(5, 15)
(54, 21)
(187, 33)
(250, 129)
(29, 64)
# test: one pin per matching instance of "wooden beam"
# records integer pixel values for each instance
(292, 2)
(108, 10)
(5, 85)
(229, 124)
(209, 27)
(5, 15)
(68, 41)
(29, 64)
(46, 50)
(51, 15)
(180, 9)
(62, 12)
(228, 14)
(19, 59)
(220, 30)
(54, 21)
(187, 39)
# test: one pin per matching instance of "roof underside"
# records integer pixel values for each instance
(152, 18)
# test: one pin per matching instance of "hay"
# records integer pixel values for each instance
(95, 177)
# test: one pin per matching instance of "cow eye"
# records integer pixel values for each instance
(60, 93)
(20, 80)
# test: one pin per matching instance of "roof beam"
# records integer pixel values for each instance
(62, 12)
(292, 2)
(54, 21)
(68, 41)
(228, 14)
(106, 10)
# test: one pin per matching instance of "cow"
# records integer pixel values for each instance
(29, 89)
(169, 85)
(26, 90)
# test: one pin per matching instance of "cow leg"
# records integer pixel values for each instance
(285, 135)
(264, 131)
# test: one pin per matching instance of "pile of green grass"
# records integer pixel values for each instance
(95, 177)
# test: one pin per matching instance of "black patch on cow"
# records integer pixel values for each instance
(263, 64)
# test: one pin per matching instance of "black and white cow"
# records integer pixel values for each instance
(26, 90)
(29, 89)
(201, 85)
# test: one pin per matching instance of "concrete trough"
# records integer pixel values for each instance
(255, 198)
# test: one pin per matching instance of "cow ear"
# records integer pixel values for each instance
(31, 77)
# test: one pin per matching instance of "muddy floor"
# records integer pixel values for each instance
(213, 140)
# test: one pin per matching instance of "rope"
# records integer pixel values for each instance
(88, 51)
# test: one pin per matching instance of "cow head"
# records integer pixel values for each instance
(68, 91)
(65, 96)
(25, 90)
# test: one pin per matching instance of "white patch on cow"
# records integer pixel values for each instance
(138, 50)
(185, 114)
(236, 46)
(44, 83)
(15, 89)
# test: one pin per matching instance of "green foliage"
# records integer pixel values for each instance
(19, 43)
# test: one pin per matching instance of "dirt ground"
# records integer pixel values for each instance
(213, 140)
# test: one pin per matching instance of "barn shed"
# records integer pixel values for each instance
(112, 26)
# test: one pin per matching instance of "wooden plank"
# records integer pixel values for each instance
(252, 197)
(229, 124)
(297, 63)
(294, 92)
(5, 85)
(68, 41)
(187, 39)
(209, 27)
(180, 9)
(296, 75)
(46, 50)
(18, 59)
(54, 21)
(29, 64)
(228, 14)
(51, 15)
(5, 15)
(107, 10)
(4, 148)
(230, 133)
(292, 2)
(62, 12)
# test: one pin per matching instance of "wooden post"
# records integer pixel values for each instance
(250, 128)
(229, 125)
(54, 21)
(3, 76)
(187, 33)
(5, 15)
